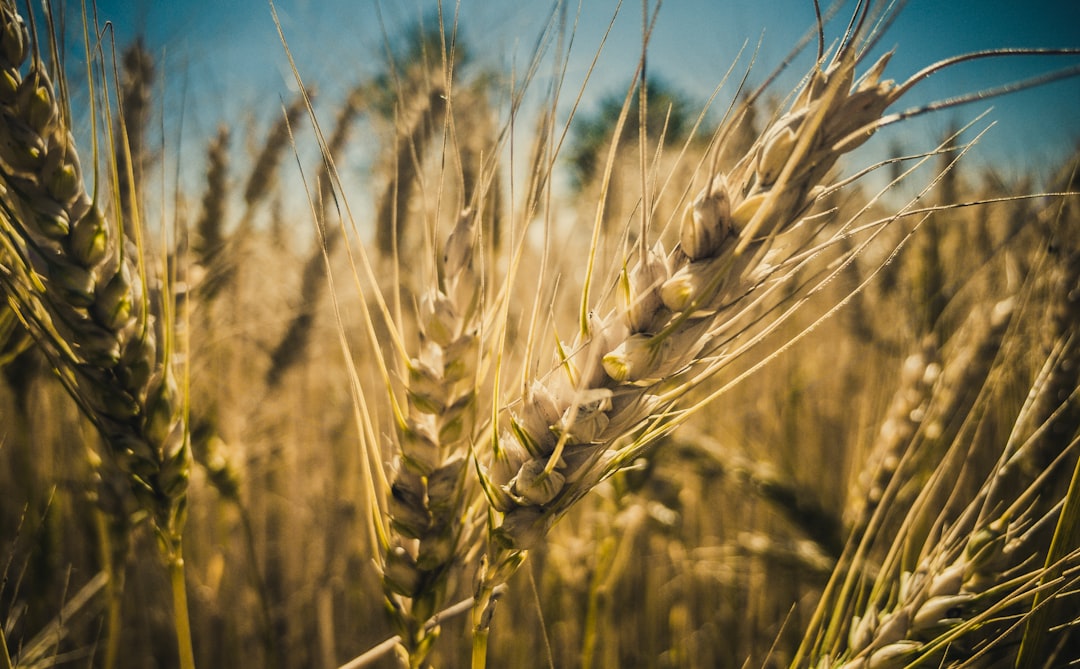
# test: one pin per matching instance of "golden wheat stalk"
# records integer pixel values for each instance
(81, 289)
(616, 388)
(682, 316)
(78, 288)
(432, 524)
(975, 581)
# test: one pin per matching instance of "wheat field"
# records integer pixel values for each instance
(762, 375)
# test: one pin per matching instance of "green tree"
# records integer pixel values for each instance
(668, 111)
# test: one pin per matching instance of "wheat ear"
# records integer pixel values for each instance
(432, 526)
(73, 279)
(137, 78)
(290, 348)
(409, 148)
(209, 238)
(263, 176)
(612, 391)
(81, 292)
(1000, 574)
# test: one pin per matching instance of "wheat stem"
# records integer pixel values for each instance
(5, 657)
(375, 652)
(483, 607)
(114, 591)
(180, 609)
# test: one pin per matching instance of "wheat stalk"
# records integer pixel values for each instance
(78, 285)
(616, 389)
(432, 526)
(987, 579)
(210, 237)
(613, 390)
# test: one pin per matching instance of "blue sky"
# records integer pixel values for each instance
(223, 60)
